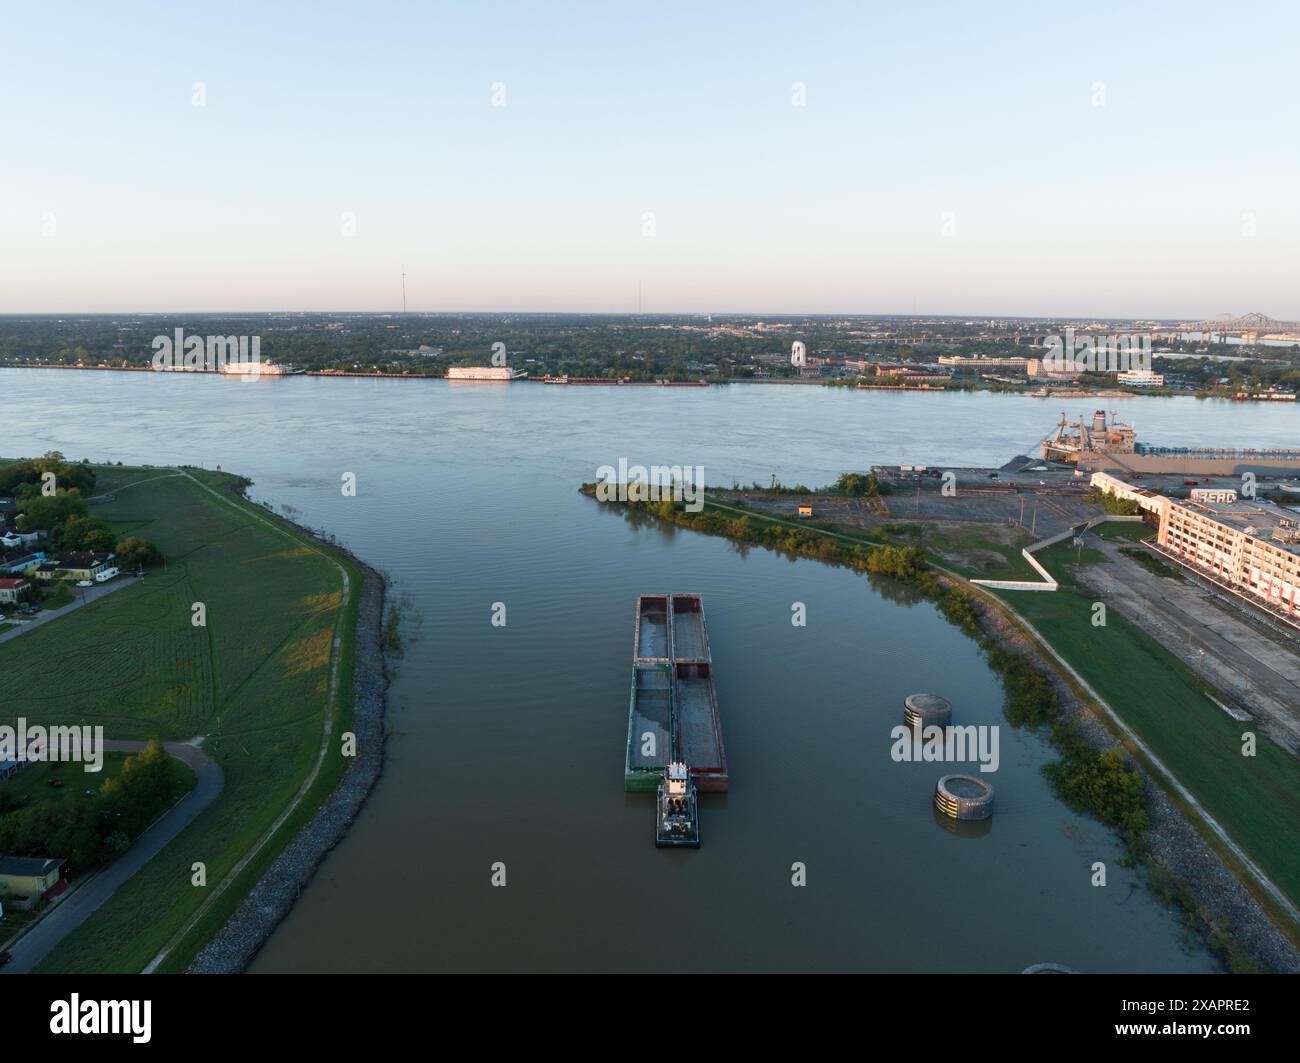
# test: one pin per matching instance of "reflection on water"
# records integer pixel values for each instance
(507, 742)
(963, 828)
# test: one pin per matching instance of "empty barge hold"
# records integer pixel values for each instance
(677, 818)
(651, 643)
(649, 726)
(673, 714)
(690, 638)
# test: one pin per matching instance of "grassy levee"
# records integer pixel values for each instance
(254, 680)
(331, 770)
(1256, 799)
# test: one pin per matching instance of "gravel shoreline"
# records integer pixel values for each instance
(258, 914)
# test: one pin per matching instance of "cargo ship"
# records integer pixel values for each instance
(1074, 440)
(673, 712)
(1109, 445)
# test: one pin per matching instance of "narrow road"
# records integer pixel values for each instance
(82, 596)
(78, 905)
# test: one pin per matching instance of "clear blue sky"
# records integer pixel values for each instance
(116, 193)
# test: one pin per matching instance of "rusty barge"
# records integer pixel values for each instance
(673, 712)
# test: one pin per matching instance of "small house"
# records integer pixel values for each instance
(16, 562)
(12, 591)
(28, 878)
(81, 566)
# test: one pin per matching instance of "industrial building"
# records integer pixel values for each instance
(1041, 369)
(959, 361)
(1140, 378)
(1246, 546)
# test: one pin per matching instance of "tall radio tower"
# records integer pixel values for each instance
(403, 289)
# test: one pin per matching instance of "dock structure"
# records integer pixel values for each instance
(673, 715)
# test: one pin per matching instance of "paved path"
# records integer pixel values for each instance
(331, 711)
(82, 596)
(108, 496)
(77, 906)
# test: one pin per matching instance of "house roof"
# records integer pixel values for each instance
(12, 584)
(29, 865)
(82, 557)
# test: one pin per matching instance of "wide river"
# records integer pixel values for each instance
(506, 743)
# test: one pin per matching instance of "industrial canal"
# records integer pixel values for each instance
(506, 739)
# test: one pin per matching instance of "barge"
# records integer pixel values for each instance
(649, 726)
(622, 381)
(673, 713)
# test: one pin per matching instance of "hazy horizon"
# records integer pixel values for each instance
(773, 315)
(1109, 161)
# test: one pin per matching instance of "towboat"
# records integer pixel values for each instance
(677, 816)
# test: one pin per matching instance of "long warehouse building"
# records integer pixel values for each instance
(1247, 546)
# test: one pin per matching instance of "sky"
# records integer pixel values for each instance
(1130, 159)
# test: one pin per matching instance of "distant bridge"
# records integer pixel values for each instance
(1260, 324)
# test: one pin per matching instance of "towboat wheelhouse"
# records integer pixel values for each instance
(677, 819)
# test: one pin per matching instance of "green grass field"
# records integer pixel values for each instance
(1116, 530)
(32, 784)
(976, 556)
(1256, 799)
(254, 680)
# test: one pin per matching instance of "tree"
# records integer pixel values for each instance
(50, 511)
(136, 552)
(860, 485)
(25, 477)
(84, 533)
